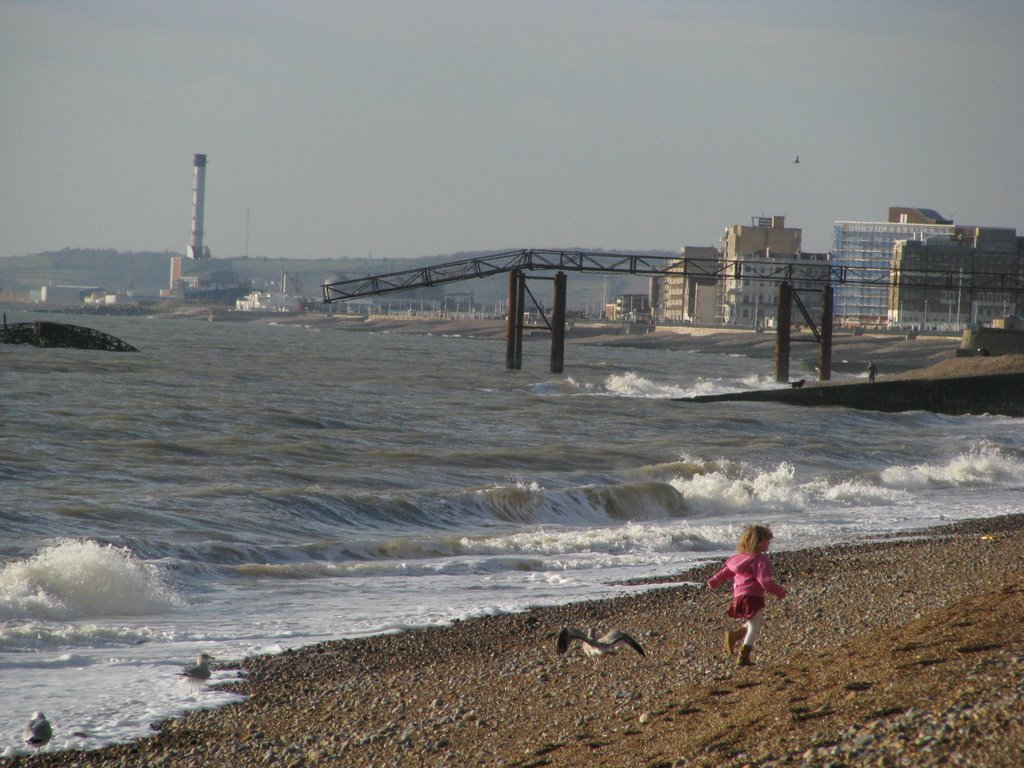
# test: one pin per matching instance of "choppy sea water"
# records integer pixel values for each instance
(243, 488)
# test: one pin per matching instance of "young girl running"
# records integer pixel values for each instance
(751, 572)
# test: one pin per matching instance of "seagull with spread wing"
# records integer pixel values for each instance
(597, 646)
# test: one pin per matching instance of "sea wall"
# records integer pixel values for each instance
(1001, 394)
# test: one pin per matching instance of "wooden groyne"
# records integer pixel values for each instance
(997, 394)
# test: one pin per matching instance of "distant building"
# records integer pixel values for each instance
(219, 286)
(946, 282)
(865, 249)
(269, 301)
(66, 294)
(688, 291)
(761, 255)
(630, 308)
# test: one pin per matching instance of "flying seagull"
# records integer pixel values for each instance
(38, 731)
(197, 675)
(595, 646)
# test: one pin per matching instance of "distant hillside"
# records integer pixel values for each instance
(148, 272)
(102, 268)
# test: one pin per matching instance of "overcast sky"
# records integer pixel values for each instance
(340, 128)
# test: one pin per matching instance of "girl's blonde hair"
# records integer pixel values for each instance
(753, 537)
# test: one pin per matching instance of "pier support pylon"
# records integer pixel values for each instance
(558, 324)
(825, 348)
(782, 322)
(514, 321)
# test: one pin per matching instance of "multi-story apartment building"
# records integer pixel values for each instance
(948, 281)
(865, 250)
(688, 291)
(761, 254)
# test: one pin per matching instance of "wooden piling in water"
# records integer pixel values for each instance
(825, 346)
(558, 324)
(782, 322)
(514, 321)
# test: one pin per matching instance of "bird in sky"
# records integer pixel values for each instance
(797, 160)
(38, 732)
(196, 676)
(595, 646)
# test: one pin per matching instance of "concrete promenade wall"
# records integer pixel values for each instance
(1001, 394)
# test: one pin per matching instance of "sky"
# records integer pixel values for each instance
(400, 128)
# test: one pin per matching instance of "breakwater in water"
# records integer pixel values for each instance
(1001, 394)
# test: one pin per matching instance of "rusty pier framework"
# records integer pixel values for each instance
(48, 334)
(786, 274)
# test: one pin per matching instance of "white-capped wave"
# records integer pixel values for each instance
(633, 385)
(566, 386)
(537, 550)
(722, 492)
(522, 502)
(41, 635)
(727, 488)
(985, 464)
(74, 579)
(630, 384)
(632, 537)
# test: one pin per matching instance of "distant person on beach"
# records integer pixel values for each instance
(751, 574)
(872, 370)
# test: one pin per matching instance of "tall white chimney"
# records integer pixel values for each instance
(195, 248)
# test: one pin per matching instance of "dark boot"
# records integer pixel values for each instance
(743, 660)
(732, 639)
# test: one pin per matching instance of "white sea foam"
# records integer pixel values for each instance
(720, 492)
(633, 385)
(630, 384)
(42, 635)
(74, 579)
(731, 487)
(983, 465)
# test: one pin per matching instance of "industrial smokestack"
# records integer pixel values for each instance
(196, 250)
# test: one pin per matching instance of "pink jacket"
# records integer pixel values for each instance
(752, 574)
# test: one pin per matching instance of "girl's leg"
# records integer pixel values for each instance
(754, 624)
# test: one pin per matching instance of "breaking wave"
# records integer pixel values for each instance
(75, 579)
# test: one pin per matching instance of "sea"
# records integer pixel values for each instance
(243, 488)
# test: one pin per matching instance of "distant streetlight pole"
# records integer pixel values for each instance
(959, 291)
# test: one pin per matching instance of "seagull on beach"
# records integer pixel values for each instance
(196, 676)
(595, 646)
(38, 731)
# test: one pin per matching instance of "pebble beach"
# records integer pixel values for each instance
(901, 652)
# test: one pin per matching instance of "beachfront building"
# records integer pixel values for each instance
(946, 282)
(688, 292)
(630, 308)
(865, 249)
(767, 248)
